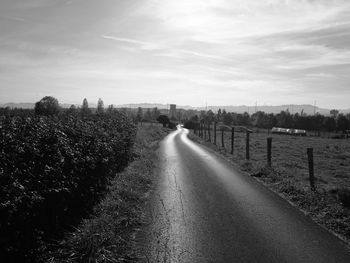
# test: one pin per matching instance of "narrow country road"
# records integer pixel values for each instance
(204, 211)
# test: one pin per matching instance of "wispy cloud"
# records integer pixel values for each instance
(319, 75)
(226, 50)
(141, 44)
(14, 18)
(166, 51)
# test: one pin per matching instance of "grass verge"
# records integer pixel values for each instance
(108, 236)
(324, 206)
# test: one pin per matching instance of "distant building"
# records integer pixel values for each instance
(172, 112)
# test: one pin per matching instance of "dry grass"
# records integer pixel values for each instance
(108, 236)
(288, 175)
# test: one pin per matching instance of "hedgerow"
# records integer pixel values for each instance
(52, 171)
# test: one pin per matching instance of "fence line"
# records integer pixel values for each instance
(204, 129)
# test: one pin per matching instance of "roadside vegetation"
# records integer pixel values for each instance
(55, 166)
(53, 169)
(109, 234)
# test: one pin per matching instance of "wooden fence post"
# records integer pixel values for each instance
(310, 155)
(232, 139)
(215, 133)
(209, 132)
(247, 155)
(222, 137)
(269, 146)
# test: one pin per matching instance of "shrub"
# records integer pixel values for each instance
(191, 125)
(171, 125)
(163, 119)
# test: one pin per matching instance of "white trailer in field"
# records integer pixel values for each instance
(296, 132)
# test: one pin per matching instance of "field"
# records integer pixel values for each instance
(331, 156)
(289, 174)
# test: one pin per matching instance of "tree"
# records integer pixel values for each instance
(318, 121)
(243, 119)
(218, 115)
(155, 113)
(209, 117)
(329, 124)
(85, 107)
(223, 115)
(47, 106)
(148, 115)
(110, 109)
(100, 107)
(343, 123)
(259, 119)
(271, 120)
(85, 104)
(194, 118)
(163, 119)
(139, 114)
(334, 113)
(284, 119)
(227, 118)
(72, 110)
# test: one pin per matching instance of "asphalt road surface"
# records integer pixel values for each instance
(203, 210)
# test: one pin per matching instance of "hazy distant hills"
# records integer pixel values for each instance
(18, 105)
(308, 109)
(29, 105)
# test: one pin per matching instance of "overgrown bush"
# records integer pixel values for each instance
(52, 170)
(191, 125)
(171, 125)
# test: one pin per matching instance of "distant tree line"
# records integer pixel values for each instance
(336, 122)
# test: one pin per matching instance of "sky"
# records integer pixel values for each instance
(187, 52)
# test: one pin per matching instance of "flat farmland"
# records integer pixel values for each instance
(289, 157)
